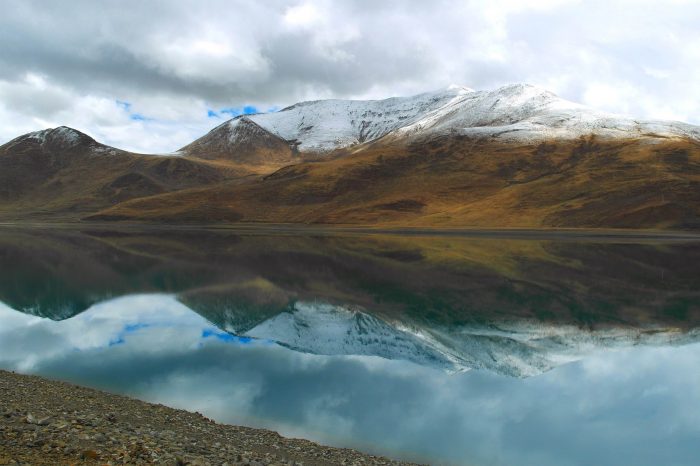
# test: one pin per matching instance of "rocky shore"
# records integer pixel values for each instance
(45, 422)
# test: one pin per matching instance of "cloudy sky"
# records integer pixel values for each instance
(152, 76)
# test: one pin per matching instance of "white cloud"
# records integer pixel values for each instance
(302, 16)
(174, 61)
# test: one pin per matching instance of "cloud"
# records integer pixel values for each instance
(174, 61)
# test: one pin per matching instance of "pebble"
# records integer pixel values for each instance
(45, 422)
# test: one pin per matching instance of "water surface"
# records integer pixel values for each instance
(445, 350)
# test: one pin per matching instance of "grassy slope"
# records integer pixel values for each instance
(36, 184)
(459, 182)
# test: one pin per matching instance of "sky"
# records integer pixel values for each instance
(153, 76)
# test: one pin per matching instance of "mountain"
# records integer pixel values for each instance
(241, 140)
(63, 173)
(319, 126)
(460, 181)
(526, 113)
(517, 112)
(517, 156)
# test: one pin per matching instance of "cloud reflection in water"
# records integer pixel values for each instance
(638, 405)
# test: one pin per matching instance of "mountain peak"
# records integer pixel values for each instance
(525, 91)
(243, 140)
(59, 138)
(460, 89)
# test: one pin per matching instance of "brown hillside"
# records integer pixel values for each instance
(49, 180)
(457, 181)
(245, 142)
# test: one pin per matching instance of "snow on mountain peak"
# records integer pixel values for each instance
(324, 125)
(459, 88)
(59, 138)
(515, 112)
(527, 113)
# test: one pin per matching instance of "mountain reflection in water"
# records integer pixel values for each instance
(378, 325)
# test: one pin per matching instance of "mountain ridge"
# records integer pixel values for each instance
(487, 110)
(518, 156)
(519, 112)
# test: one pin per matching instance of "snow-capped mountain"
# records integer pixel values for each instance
(61, 137)
(317, 126)
(249, 141)
(58, 140)
(324, 125)
(517, 349)
(525, 112)
(452, 158)
(518, 112)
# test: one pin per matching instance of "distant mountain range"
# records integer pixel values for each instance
(517, 156)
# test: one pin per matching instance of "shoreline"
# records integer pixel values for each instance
(48, 422)
(560, 234)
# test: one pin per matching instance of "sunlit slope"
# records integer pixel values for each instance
(461, 181)
(65, 174)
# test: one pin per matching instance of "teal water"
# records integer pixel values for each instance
(441, 350)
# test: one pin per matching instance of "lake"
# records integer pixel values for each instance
(469, 350)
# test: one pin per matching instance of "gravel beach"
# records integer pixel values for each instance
(55, 423)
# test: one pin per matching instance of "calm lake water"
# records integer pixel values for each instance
(445, 350)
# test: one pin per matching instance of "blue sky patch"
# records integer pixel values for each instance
(134, 116)
(124, 105)
(232, 111)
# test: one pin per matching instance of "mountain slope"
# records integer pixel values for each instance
(241, 140)
(522, 112)
(326, 125)
(62, 172)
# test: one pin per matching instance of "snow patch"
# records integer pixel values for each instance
(61, 137)
(325, 125)
(517, 112)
